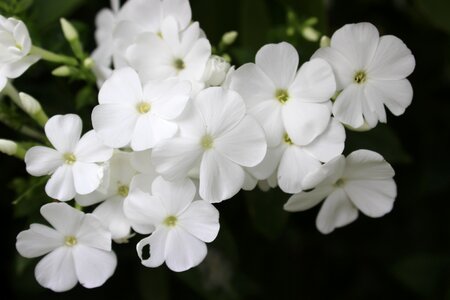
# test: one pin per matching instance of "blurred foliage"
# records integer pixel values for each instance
(261, 251)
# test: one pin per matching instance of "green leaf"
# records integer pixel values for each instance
(23, 5)
(266, 211)
(437, 12)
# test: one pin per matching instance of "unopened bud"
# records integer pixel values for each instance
(29, 104)
(88, 63)
(8, 147)
(362, 128)
(310, 34)
(325, 41)
(229, 37)
(69, 31)
(63, 71)
(215, 71)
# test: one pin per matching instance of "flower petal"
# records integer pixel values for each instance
(61, 184)
(64, 218)
(17, 68)
(150, 130)
(392, 60)
(268, 114)
(395, 94)
(357, 42)
(295, 164)
(183, 250)
(366, 164)
(174, 158)
(92, 233)
(179, 9)
(175, 196)
(252, 84)
(269, 164)
(123, 87)
(201, 219)
(329, 144)
(93, 266)
(314, 82)
(142, 161)
(64, 132)
(114, 123)
(220, 178)
(56, 271)
(143, 182)
(245, 144)
(305, 200)
(305, 121)
(90, 149)
(42, 160)
(38, 240)
(343, 70)
(336, 211)
(327, 174)
(279, 62)
(374, 198)
(144, 211)
(348, 106)
(86, 177)
(112, 216)
(221, 109)
(157, 250)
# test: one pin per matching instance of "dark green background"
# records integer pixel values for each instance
(262, 252)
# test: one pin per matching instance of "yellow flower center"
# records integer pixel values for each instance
(170, 221)
(282, 95)
(144, 107)
(360, 77)
(70, 241)
(69, 158)
(207, 142)
(287, 139)
(179, 64)
(123, 190)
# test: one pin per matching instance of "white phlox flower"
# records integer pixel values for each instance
(283, 99)
(370, 73)
(180, 54)
(76, 249)
(362, 181)
(140, 116)
(179, 225)
(15, 46)
(74, 163)
(293, 162)
(216, 133)
(110, 211)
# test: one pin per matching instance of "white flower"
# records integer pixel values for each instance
(284, 100)
(362, 181)
(370, 70)
(15, 46)
(183, 55)
(216, 71)
(178, 225)
(73, 165)
(78, 249)
(140, 116)
(293, 162)
(117, 180)
(217, 133)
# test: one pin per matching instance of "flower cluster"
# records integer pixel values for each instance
(177, 129)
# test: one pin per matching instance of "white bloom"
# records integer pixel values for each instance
(117, 181)
(73, 165)
(216, 71)
(178, 225)
(140, 116)
(78, 249)
(370, 70)
(362, 181)
(293, 162)
(284, 100)
(15, 46)
(183, 55)
(217, 133)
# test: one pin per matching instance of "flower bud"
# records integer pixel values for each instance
(310, 34)
(30, 105)
(62, 71)
(229, 37)
(216, 71)
(325, 41)
(8, 147)
(70, 33)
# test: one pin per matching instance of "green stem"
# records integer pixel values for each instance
(53, 57)
(11, 91)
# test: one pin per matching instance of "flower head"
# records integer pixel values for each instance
(370, 72)
(77, 249)
(73, 164)
(361, 181)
